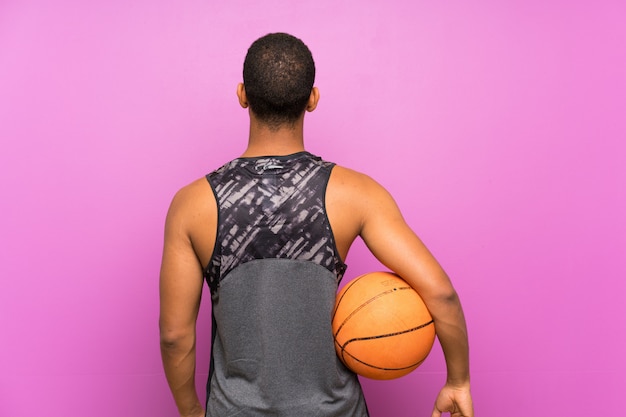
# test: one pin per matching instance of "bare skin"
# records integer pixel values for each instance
(357, 206)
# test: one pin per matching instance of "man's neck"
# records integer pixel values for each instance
(263, 141)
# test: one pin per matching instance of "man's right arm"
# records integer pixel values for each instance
(180, 288)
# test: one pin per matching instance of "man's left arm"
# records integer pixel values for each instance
(391, 240)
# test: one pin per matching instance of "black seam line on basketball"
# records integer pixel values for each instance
(384, 368)
(343, 295)
(362, 306)
(380, 336)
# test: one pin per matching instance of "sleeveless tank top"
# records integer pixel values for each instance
(273, 278)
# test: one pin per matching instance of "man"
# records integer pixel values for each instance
(269, 232)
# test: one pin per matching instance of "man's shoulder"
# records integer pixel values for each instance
(192, 190)
(348, 177)
(355, 191)
(192, 199)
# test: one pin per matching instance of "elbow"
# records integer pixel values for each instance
(445, 295)
(169, 342)
(174, 339)
(450, 297)
(443, 300)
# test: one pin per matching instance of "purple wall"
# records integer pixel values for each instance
(498, 126)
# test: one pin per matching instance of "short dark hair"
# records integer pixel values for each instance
(278, 76)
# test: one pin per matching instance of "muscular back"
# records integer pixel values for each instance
(346, 193)
(356, 206)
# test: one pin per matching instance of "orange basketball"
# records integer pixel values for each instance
(381, 326)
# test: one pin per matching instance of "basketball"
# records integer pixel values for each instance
(381, 326)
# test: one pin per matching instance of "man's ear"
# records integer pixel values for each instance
(314, 98)
(241, 95)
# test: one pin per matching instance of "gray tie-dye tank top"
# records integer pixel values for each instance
(273, 277)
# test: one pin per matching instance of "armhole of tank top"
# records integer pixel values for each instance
(217, 226)
(330, 227)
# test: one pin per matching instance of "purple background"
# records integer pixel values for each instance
(498, 126)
